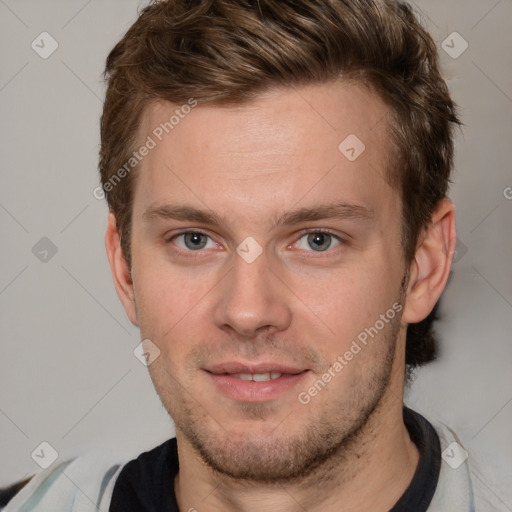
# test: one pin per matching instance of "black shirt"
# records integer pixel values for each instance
(145, 483)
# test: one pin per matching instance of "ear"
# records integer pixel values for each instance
(119, 268)
(430, 269)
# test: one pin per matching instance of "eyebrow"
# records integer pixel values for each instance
(340, 211)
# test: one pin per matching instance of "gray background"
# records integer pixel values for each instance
(68, 374)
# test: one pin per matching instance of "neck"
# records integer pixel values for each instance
(371, 474)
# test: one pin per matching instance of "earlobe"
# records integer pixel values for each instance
(119, 267)
(432, 262)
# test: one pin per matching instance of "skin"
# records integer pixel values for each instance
(347, 449)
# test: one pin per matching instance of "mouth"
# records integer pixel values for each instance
(255, 382)
(257, 377)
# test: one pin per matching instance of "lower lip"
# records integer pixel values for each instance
(252, 391)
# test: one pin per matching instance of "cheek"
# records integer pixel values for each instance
(163, 299)
(347, 300)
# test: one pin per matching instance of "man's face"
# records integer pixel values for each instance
(319, 260)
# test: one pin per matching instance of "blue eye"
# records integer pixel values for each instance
(318, 241)
(194, 241)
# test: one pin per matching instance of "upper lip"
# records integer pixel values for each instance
(233, 367)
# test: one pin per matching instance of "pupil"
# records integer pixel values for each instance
(193, 241)
(319, 240)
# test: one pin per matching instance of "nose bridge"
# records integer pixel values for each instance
(247, 278)
(252, 297)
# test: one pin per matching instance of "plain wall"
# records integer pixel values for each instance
(68, 374)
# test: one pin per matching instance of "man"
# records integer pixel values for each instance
(279, 230)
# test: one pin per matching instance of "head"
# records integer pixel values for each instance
(243, 109)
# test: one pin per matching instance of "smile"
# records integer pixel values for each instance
(257, 377)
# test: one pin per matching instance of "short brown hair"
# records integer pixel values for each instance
(227, 52)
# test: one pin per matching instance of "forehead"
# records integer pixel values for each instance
(285, 146)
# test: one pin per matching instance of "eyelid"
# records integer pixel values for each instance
(170, 238)
(340, 239)
(320, 230)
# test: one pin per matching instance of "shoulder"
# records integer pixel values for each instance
(462, 486)
(82, 484)
(85, 483)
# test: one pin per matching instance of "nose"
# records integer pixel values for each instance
(253, 297)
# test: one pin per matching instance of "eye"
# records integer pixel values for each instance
(194, 241)
(319, 241)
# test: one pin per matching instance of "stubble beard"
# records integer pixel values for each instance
(332, 440)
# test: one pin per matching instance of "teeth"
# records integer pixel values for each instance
(257, 377)
(261, 377)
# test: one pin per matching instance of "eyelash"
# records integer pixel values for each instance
(199, 253)
(342, 241)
